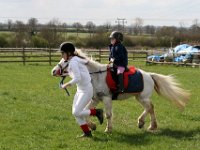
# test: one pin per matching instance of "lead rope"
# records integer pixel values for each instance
(61, 83)
(62, 80)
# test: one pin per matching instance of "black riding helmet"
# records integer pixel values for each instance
(117, 35)
(67, 48)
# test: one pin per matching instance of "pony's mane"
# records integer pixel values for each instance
(92, 62)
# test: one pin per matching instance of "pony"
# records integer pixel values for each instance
(165, 85)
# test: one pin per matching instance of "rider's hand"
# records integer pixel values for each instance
(64, 74)
(112, 60)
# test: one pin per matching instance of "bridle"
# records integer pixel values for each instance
(63, 78)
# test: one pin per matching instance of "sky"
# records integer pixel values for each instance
(153, 12)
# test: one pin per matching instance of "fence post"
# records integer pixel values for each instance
(23, 55)
(146, 56)
(99, 55)
(132, 55)
(50, 56)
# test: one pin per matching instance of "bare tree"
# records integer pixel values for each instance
(150, 29)
(9, 24)
(78, 27)
(138, 26)
(182, 27)
(166, 31)
(21, 36)
(32, 25)
(64, 29)
(196, 22)
(107, 26)
(182, 30)
(51, 33)
(195, 28)
(90, 26)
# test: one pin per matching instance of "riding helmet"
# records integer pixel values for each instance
(117, 35)
(67, 47)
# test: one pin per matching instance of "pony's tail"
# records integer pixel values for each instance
(169, 88)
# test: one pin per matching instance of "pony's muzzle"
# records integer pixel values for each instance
(56, 72)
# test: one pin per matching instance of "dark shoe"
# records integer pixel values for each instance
(99, 115)
(87, 135)
(121, 83)
(120, 91)
(114, 96)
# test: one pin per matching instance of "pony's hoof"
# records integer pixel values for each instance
(108, 130)
(152, 128)
(92, 126)
(141, 124)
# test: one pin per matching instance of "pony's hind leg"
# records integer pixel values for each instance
(148, 108)
(141, 119)
(153, 125)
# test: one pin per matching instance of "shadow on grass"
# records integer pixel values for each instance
(146, 138)
(179, 134)
(132, 139)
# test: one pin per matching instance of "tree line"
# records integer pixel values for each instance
(51, 34)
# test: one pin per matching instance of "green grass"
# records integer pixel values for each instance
(65, 34)
(80, 35)
(36, 114)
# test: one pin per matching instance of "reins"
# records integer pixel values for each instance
(98, 72)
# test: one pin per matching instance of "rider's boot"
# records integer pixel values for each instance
(121, 83)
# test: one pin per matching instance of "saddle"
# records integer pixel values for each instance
(133, 80)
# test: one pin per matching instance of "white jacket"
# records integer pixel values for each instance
(79, 73)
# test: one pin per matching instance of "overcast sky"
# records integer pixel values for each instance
(153, 12)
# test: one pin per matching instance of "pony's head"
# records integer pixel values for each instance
(60, 68)
(93, 66)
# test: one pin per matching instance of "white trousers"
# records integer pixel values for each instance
(81, 99)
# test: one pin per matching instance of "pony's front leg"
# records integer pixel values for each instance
(108, 108)
(93, 103)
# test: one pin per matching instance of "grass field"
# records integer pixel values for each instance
(65, 34)
(36, 114)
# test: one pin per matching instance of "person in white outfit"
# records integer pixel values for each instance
(79, 73)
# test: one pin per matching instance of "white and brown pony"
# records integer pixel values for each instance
(164, 85)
